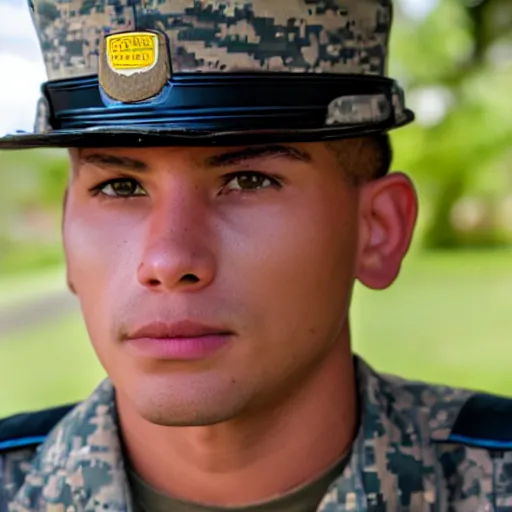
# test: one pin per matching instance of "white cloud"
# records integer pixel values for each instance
(15, 19)
(418, 9)
(19, 93)
(22, 63)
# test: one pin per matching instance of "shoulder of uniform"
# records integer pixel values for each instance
(461, 416)
(451, 415)
(483, 421)
(30, 429)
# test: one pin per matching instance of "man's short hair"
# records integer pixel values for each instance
(365, 158)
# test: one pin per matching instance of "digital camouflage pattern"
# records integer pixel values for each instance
(14, 466)
(394, 465)
(221, 36)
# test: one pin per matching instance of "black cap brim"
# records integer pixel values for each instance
(151, 137)
(213, 110)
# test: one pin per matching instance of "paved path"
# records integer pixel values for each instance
(35, 312)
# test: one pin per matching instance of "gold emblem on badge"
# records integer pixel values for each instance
(135, 52)
(134, 66)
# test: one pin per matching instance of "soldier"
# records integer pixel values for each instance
(229, 183)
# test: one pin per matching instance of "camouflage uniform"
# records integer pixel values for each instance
(408, 456)
(204, 72)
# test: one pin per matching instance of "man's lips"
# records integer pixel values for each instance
(182, 329)
(183, 340)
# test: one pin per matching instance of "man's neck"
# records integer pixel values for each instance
(249, 460)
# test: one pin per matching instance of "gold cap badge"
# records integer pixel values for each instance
(134, 66)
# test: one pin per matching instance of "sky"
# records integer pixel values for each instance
(22, 66)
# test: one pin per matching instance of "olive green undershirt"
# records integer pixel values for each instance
(305, 498)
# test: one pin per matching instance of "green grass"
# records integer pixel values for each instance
(34, 258)
(447, 319)
(50, 365)
(16, 289)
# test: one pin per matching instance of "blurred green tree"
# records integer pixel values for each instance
(30, 208)
(456, 63)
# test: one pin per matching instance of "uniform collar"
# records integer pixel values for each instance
(81, 463)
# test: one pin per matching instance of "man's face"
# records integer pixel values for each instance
(258, 245)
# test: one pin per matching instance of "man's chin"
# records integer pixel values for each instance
(184, 401)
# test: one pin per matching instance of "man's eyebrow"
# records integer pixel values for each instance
(106, 160)
(221, 160)
(252, 153)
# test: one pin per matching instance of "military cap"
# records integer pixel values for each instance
(204, 72)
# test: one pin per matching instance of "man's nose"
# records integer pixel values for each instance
(178, 252)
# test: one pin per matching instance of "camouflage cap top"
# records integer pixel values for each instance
(162, 72)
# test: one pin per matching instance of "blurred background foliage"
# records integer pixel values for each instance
(445, 320)
(456, 66)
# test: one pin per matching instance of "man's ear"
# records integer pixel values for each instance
(388, 212)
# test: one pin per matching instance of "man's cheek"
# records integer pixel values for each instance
(87, 258)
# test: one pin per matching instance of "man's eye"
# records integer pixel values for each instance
(124, 187)
(249, 181)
